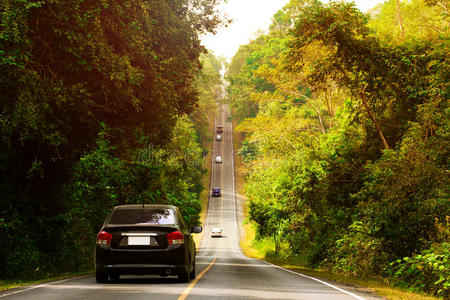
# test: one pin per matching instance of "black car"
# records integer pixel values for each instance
(145, 239)
(216, 192)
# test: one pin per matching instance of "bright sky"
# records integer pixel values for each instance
(249, 17)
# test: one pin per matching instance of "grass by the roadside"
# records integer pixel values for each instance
(250, 246)
(10, 284)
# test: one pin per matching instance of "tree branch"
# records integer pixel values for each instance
(400, 21)
(369, 112)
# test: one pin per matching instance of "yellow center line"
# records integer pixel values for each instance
(194, 282)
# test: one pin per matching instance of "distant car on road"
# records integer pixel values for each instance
(218, 137)
(216, 192)
(216, 232)
(145, 239)
(219, 129)
(218, 159)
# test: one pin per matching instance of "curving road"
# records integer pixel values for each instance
(223, 272)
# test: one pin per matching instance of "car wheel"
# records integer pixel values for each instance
(193, 272)
(184, 276)
(101, 277)
(114, 277)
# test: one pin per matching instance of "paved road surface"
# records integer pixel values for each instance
(223, 272)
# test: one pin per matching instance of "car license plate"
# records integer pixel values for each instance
(139, 240)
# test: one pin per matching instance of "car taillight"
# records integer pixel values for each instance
(175, 238)
(104, 238)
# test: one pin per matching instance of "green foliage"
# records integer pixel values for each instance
(357, 252)
(421, 21)
(248, 151)
(428, 271)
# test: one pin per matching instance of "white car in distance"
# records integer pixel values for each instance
(216, 232)
(218, 159)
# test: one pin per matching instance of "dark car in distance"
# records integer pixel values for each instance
(216, 192)
(145, 239)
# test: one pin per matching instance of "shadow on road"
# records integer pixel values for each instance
(146, 280)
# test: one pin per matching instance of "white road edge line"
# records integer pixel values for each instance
(318, 280)
(41, 285)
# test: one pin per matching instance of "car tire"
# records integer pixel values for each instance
(101, 277)
(193, 271)
(184, 276)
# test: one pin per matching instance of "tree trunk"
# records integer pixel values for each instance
(276, 243)
(328, 94)
(320, 119)
(369, 112)
(400, 21)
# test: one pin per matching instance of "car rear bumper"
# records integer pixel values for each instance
(141, 262)
(142, 269)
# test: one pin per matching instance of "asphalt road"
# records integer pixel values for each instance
(223, 272)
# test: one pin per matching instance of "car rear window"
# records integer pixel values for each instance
(143, 216)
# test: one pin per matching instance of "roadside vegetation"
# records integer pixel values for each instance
(101, 104)
(346, 120)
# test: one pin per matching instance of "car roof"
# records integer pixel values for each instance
(147, 206)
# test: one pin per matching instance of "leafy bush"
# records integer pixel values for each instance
(357, 252)
(428, 271)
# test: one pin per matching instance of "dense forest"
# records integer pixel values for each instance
(101, 103)
(345, 117)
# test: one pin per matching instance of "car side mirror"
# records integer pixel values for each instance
(197, 229)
